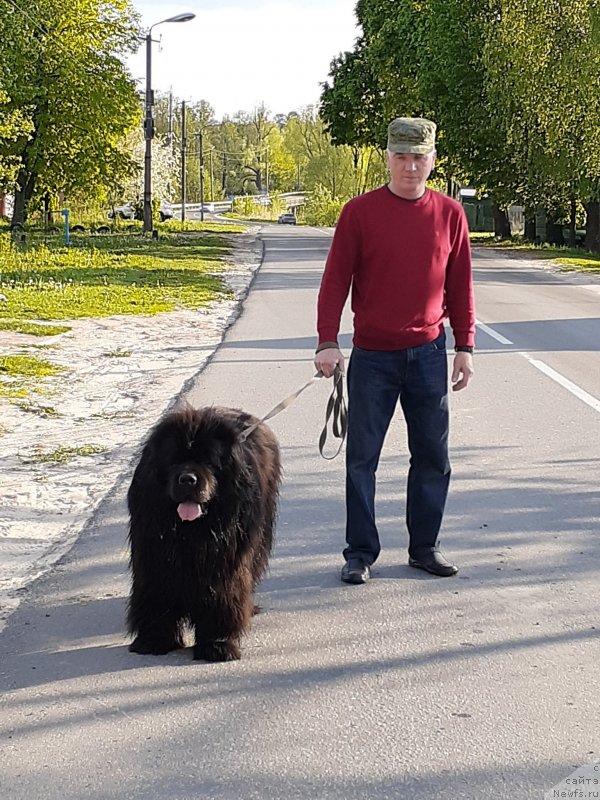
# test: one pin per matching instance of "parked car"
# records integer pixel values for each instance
(124, 211)
(165, 211)
(287, 219)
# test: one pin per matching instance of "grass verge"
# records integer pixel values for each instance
(20, 373)
(32, 328)
(567, 258)
(112, 274)
(63, 454)
(42, 283)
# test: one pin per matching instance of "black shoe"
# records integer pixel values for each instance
(354, 571)
(433, 561)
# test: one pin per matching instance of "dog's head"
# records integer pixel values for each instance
(193, 452)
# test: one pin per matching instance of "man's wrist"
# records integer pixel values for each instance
(327, 346)
(463, 348)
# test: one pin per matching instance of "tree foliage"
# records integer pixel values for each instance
(64, 77)
(244, 153)
(514, 86)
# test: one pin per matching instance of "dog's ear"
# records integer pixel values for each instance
(243, 421)
(146, 469)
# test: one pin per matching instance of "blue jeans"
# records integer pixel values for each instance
(418, 377)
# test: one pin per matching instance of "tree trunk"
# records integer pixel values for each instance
(573, 224)
(47, 215)
(453, 189)
(592, 228)
(530, 232)
(501, 222)
(23, 194)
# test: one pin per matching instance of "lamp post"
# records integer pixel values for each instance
(149, 120)
(201, 166)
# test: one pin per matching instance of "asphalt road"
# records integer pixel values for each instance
(481, 686)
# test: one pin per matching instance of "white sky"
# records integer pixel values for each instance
(237, 54)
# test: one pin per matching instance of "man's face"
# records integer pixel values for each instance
(409, 172)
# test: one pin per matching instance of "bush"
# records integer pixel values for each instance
(321, 209)
(249, 208)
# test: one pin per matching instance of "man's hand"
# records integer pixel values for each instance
(462, 371)
(327, 360)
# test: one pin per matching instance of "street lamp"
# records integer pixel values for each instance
(149, 119)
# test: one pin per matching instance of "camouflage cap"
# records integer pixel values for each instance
(411, 135)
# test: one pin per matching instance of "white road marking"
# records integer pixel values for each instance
(490, 332)
(575, 390)
(591, 401)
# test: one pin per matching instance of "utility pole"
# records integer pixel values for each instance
(148, 136)
(267, 170)
(212, 193)
(170, 134)
(149, 121)
(201, 161)
(183, 159)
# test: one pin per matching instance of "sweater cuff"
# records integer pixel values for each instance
(327, 346)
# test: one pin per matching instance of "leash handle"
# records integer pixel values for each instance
(336, 406)
(280, 406)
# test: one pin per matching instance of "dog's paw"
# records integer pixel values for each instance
(217, 651)
(153, 647)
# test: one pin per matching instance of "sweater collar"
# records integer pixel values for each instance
(420, 201)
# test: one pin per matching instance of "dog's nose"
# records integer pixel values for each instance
(187, 479)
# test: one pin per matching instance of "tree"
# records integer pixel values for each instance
(131, 186)
(511, 85)
(543, 64)
(56, 73)
(351, 103)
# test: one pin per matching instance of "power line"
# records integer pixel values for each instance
(241, 153)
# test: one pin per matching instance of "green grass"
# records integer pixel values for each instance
(117, 273)
(233, 215)
(580, 262)
(175, 226)
(32, 328)
(21, 366)
(112, 274)
(18, 374)
(39, 410)
(63, 454)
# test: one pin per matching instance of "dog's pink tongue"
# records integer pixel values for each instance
(189, 511)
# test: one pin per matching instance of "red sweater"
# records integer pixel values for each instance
(409, 264)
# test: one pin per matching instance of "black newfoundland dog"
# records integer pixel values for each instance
(202, 507)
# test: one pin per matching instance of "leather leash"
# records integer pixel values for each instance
(336, 408)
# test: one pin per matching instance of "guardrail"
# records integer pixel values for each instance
(217, 205)
(292, 200)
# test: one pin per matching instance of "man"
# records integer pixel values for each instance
(404, 250)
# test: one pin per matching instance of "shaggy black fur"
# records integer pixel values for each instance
(202, 507)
